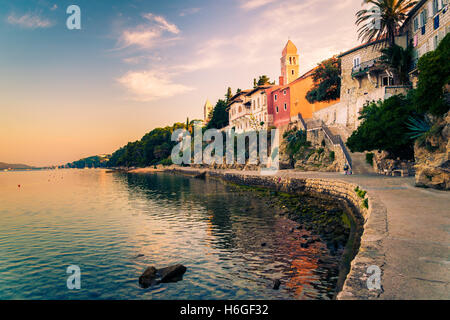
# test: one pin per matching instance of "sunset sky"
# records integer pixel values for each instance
(135, 65)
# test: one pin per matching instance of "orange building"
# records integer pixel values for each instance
(298, 103)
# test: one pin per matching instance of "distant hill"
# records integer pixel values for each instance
(99, 161)
(14, 166)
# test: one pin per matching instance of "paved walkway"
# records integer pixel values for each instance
(416, 248)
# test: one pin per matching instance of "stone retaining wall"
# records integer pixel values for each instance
(370, 225)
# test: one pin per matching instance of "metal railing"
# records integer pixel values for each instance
(335, 140)
(364, 66)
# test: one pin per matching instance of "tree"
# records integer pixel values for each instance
(262, 81)
(384, 127)
(399, 60)
(434, 74)
(383, 19)
(327, 81)
(229, 95)
(219, 117)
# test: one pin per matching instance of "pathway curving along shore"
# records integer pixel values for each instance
(406, 230)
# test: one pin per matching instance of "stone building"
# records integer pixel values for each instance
(427, 24)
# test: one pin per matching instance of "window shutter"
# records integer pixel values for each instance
(439, 4)
(430, 9)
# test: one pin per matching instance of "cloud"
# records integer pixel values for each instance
(189, 11)
(319, 28)
(29, 21)
(163, 23)
(151, 85)
(253, 4)
(149, 34)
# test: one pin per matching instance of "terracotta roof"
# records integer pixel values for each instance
(367, 44)
(289, 48)
(258, 88)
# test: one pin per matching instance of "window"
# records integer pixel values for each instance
(416, 24)
(277, 109)
(240, 109)
(284, 92)
(275, 97)
(387, 81)
(436, 6)
(285, 107)
(356, 62)
(292, 72)
(290, 60)
(259, 104)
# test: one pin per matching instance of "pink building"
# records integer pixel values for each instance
(279, 105)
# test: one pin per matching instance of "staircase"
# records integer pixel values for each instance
(338, 135)
(360, 165)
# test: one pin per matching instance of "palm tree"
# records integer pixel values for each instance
(399, 60)
(383, 20)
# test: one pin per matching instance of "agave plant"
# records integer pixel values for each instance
(417, 127)
(383, 19)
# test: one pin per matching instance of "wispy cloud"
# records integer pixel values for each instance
(151, 85)
(253, 4)
(189, 11)
(149, 34)
(162, 22)
(29, 21)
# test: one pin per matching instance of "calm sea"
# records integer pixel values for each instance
(114, 225)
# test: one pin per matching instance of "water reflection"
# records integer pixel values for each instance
(115, 225)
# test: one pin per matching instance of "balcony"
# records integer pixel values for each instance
(367, 66)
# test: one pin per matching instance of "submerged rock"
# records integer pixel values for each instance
(172, 273)
(153, 276)
(276, 284)
(148, 278)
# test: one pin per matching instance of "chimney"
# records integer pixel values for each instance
(281, 81)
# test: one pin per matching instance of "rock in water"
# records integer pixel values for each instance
(276, 284)
(148, 278)
(172, 273)
(153, 276)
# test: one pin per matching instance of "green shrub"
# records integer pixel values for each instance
(332, 156)
(366, 203)
(369, 158)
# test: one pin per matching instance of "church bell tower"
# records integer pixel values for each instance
(289, 64)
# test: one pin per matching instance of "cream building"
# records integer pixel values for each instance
(239, 110)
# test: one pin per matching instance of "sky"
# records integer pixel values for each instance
(140, 64)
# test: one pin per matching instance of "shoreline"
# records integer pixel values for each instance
(363, 248)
